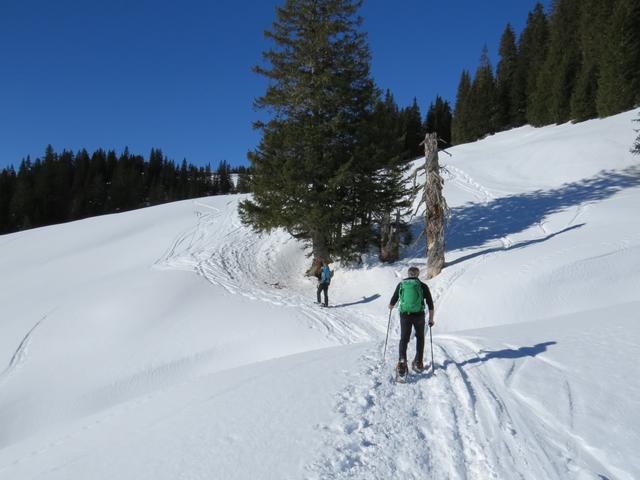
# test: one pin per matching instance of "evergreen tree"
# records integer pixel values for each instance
(97, 193)
(244, 180)
(7, 186)
(506, 93)
(385, 182)
(223, 174)
(21, 207)
(438, 120)
(387, 132)
(412, 127)
(312, 175)
(619, 81)
(461, 118)
(79, 204)
(482, 100)
(532, 51)
(594, 15)
(556, 81)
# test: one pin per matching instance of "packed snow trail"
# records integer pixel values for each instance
(465, 422)
(264, 268)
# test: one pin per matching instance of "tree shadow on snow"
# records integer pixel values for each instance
(515, 246)
(507, 353)
(475, 224)
(368, 299)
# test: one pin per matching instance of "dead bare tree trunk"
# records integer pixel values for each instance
(436, 207)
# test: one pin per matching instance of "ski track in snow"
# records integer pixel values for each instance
(461, 423)
(20, 355)
(228, 254)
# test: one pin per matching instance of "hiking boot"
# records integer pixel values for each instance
(401, 368)
(417, 366)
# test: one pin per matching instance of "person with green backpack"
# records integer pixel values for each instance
(412, 294)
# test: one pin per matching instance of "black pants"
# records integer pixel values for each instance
(417, 321)
(324, 287)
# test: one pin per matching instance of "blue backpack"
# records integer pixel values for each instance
(325, 275)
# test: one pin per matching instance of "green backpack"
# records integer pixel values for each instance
(411, 297)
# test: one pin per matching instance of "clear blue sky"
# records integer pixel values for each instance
(177, 75)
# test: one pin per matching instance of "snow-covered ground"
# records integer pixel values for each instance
(173, 342)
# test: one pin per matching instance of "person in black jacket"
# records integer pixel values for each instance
(412, 294)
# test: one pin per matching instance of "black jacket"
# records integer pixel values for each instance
(426, 293)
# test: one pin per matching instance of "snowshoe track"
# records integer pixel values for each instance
(227, 254)
(461, 423)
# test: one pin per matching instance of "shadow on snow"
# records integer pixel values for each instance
(515, 246)
(475, 224)
(507, 353)
(368, 299)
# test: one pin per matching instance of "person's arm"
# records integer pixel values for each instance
(429, 301)
(395, 297)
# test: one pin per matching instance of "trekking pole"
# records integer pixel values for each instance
(387, 338)
(433, 365)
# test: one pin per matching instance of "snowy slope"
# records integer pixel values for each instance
(173, 342)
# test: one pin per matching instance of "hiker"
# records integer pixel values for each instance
(323, 283)
(412, 294)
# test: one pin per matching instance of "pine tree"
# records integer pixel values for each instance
(412, 126)
(438, 120)
(532, 51)
(619, 81)
(482, 103)
(97, 193)
(311, 171)
(244, 181)
(7, 186)
(387, 132)
(557, 79)
(385, 185)
(22, 205)
(460, 123)
(506, 93)
(79, 205)
(593, 16)
(225, 184)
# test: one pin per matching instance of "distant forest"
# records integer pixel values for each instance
(69, 186)
(581, 60)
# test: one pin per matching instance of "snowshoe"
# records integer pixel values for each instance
(417, 367)
(401, 372)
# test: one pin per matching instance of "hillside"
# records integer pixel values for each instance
(173, 342)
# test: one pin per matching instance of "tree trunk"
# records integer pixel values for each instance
(436, 207)
(389, 239)
(320, 253)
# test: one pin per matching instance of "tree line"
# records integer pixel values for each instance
(579, 61)
(66, 186)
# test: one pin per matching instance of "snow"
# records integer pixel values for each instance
(174, 342)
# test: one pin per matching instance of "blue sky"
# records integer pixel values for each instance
(177, 75)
